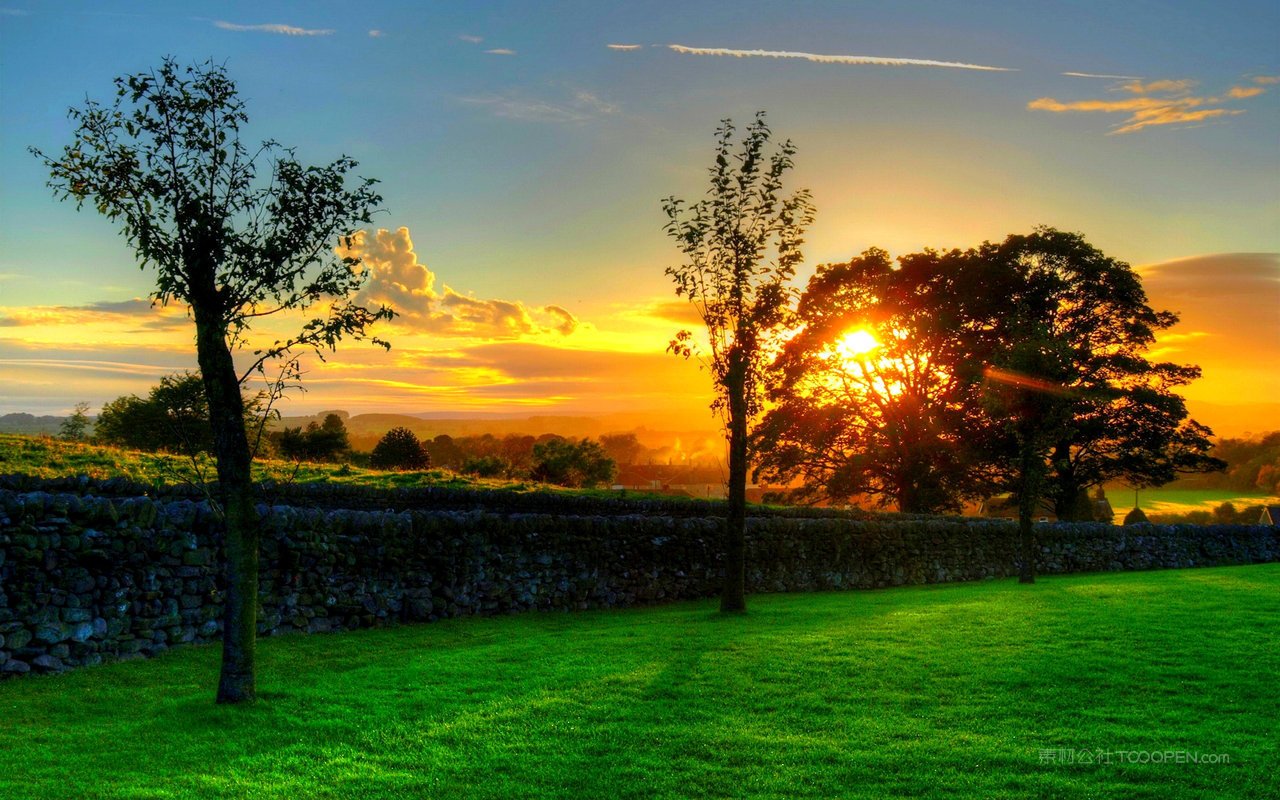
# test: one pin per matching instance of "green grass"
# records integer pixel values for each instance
(946, 691)
(46, 457)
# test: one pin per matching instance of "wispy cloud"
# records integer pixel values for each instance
(376, 34)
(501, 51)
(13, 12)
(1157, 103)
(880, 61)
(579, 106)
(624, 46)
(1266, 80)
(1241, 92)
(1098, 75)
(283, 30)
(138, 311)
(1157, 87)
(466, 37)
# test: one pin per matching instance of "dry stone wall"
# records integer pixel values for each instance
(89, 577)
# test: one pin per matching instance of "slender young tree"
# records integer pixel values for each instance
(741, 246)
(236, 234)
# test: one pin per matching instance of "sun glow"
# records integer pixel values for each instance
(856, 344)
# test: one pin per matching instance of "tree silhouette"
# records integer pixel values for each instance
(166, 162)
(892, 416)
(1126, 421)
(399, 448)
(742, 246)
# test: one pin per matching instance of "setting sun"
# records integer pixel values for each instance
(855, 344)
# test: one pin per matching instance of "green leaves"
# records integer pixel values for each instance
(167, 162)
(741, 246)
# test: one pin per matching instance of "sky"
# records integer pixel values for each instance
(524, 149)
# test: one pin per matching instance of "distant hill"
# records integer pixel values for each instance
(29, 424)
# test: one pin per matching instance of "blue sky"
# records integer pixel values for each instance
(527, 158)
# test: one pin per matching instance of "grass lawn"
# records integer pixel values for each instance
(1166, 500)
(945, 691)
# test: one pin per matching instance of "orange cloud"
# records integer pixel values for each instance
(1266, 80)
(1161, 102)
(1228, 326)
(1245, 91)
(137, 312)
(399, 280)
(1138, 87)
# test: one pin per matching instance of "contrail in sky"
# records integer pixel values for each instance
(880, 61)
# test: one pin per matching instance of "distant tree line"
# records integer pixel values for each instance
(174, 418)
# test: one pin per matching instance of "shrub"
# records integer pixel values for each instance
(399, 449)
(1136, 517)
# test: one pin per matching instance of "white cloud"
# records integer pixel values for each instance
(501, 51)
(580, 106)
(284, 30)
(1096, 75)
(881, 61)
(624, 46)
(376, 34)
(399, 280)
(470, 39)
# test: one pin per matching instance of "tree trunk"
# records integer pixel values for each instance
(733, 594)
(231, 448)
(1064, 487)
(1028, 499)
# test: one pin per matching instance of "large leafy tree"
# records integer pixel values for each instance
(237, 234)
(874, 395)
(1123, 419)
(741, 246)
(568, 463)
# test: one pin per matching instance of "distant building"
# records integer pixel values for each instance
(675, 479)
(1005, 507)
(707, 483)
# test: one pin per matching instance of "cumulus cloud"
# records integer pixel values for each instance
(399, 280)
(880, 61)
(1160, 102)
(283, 30)
(624, 46)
